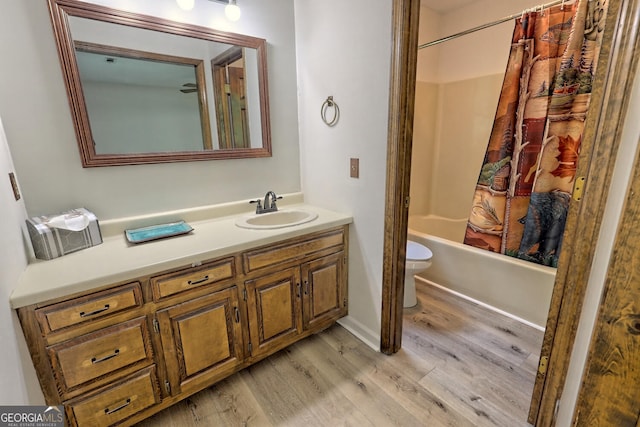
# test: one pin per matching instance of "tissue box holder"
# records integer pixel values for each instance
(50, 242)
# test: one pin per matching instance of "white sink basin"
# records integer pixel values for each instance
(278, 219)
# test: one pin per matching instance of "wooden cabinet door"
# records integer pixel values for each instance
(201, 340)
(273, 303)
(324, 290)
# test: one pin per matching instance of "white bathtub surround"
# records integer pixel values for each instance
(445, 228)
(517, 287)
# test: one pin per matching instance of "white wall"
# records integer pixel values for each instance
(480, 53)
(18, 383)
(136, 109)
(33, 104)
(344, 50)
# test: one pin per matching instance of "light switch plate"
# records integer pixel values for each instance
(354, 168)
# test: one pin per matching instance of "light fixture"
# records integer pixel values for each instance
(186, 4)
(232, 11)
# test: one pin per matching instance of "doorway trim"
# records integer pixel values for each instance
(404, 61)
(614, 78)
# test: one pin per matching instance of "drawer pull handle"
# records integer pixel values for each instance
(93, 313)
(107, 357)
(298, 290)
(237, 314)
(197, 282)
(108, 411)
(306, 287)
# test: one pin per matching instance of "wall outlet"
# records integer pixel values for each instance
(354, 168)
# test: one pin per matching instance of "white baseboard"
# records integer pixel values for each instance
(363, 333)
(482, 304)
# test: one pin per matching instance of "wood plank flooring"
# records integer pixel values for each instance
(460, 365)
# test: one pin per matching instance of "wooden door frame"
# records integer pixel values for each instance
(404, 60)
(615, 338)
(614, 79)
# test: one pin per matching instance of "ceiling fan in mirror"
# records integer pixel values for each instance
(189, 88)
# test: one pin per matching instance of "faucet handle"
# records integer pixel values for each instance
(273, 202)
(258, 206)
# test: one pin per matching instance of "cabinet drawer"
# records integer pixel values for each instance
(118, 402)
(90, 307)
(179, 281)
(91, 356)
(271, 255)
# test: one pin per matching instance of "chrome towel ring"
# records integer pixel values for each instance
(336, 111)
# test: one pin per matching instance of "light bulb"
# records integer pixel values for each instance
(186, 4)
(232, 11)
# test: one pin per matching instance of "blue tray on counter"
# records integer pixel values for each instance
(155, 232)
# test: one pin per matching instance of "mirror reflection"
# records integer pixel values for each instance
(230, 99)
(157, 91)
(140, 103)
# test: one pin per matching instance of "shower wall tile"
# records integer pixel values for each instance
(423, 153)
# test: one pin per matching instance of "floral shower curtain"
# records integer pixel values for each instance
(522, 195)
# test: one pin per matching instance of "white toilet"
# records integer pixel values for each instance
(418, 260)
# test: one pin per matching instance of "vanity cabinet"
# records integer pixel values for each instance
(96, 358)
(324, 296)
(275, 315)
(307, 296)
(201, 340)
(94, 354)
(120, 354)
(88, 308)
(210, 274)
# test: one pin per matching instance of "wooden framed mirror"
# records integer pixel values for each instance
(148, 90)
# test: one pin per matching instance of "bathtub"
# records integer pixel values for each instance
(515, 287)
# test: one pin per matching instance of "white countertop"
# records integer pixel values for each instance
(116, 260)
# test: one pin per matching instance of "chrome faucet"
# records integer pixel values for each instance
(269, 204)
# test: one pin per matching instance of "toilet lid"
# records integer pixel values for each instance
(418, 252)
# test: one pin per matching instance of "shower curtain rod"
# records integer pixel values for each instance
(489, 24)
